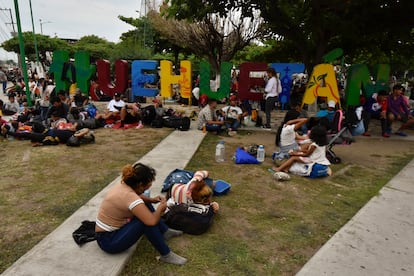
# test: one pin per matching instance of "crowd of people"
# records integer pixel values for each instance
(126, 213)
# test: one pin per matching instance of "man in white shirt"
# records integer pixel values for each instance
(233, 115)
(272, 90)
(113, 109)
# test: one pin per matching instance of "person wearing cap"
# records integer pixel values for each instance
(79, 100)
(113, 109)
(328, 112)
(233, 115)
(376, 107)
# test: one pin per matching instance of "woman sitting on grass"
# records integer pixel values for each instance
(315, 153)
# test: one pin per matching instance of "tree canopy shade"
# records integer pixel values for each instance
(314, 27)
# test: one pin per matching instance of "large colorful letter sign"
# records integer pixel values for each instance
(60, 58)
(286, 70)
(251, 81)
(359, 78)
(84, 70)
(168, 78)
(142, 74)
(225, 77)
(104, 76)
(322, 83)
(67, 73)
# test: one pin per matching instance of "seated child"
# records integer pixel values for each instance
(314, 153)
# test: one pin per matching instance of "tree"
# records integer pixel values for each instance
(97, 47)
(314, 27)
(214, 36)
(44, 44)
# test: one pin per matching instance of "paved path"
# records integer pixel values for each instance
(58, 254)
(378, 240)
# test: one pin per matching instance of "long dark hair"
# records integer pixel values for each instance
(290, 115)
(318, 135)
(138, 175)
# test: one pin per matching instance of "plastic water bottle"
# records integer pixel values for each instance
(220, 150)
(261, 153)
(147, 193)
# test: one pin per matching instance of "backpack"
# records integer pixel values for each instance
(180, 123)
(85, 233)
(148, 114)
(193, 219)
(157, 122)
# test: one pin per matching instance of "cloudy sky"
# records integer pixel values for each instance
(71, 18)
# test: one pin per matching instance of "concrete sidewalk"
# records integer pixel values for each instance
(378, 240)
(58, 254)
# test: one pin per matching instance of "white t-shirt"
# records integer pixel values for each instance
(115, 106)
(273, 87)
(319, 155)
(232, 111)
(287, 135)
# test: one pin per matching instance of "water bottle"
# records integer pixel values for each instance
(220, 150)
(261, 153)
(147, 193)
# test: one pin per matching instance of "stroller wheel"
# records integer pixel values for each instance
(336, 160)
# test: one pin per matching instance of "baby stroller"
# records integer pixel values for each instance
(340, 134)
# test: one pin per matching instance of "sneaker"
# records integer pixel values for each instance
(173, 258)
(366, 134)
(266, 126)
(386, 135)
(400, 133)
(232, 133)
(139, 126)
(281, 176)
(170, 233)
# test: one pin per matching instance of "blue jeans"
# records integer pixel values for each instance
(4, 83)
(233, 124)
(213, 127)
(125, 237)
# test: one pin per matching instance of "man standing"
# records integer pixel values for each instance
(3, 80)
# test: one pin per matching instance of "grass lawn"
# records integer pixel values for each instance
(267, 227)
(264, 227)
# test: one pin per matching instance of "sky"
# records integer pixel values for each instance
(70, 18)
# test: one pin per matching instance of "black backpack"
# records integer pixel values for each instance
(193, 219)
(180, 123)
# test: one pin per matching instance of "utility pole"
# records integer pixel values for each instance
(11, 18)
(34, 35)
(22, 53)
(13, 34)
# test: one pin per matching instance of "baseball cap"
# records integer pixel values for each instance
(117, 94)
(331, 104)
(233, 98)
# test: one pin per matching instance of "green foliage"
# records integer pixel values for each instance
(96, 47)
(44, 44)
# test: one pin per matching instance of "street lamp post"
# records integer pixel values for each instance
(42, 23)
